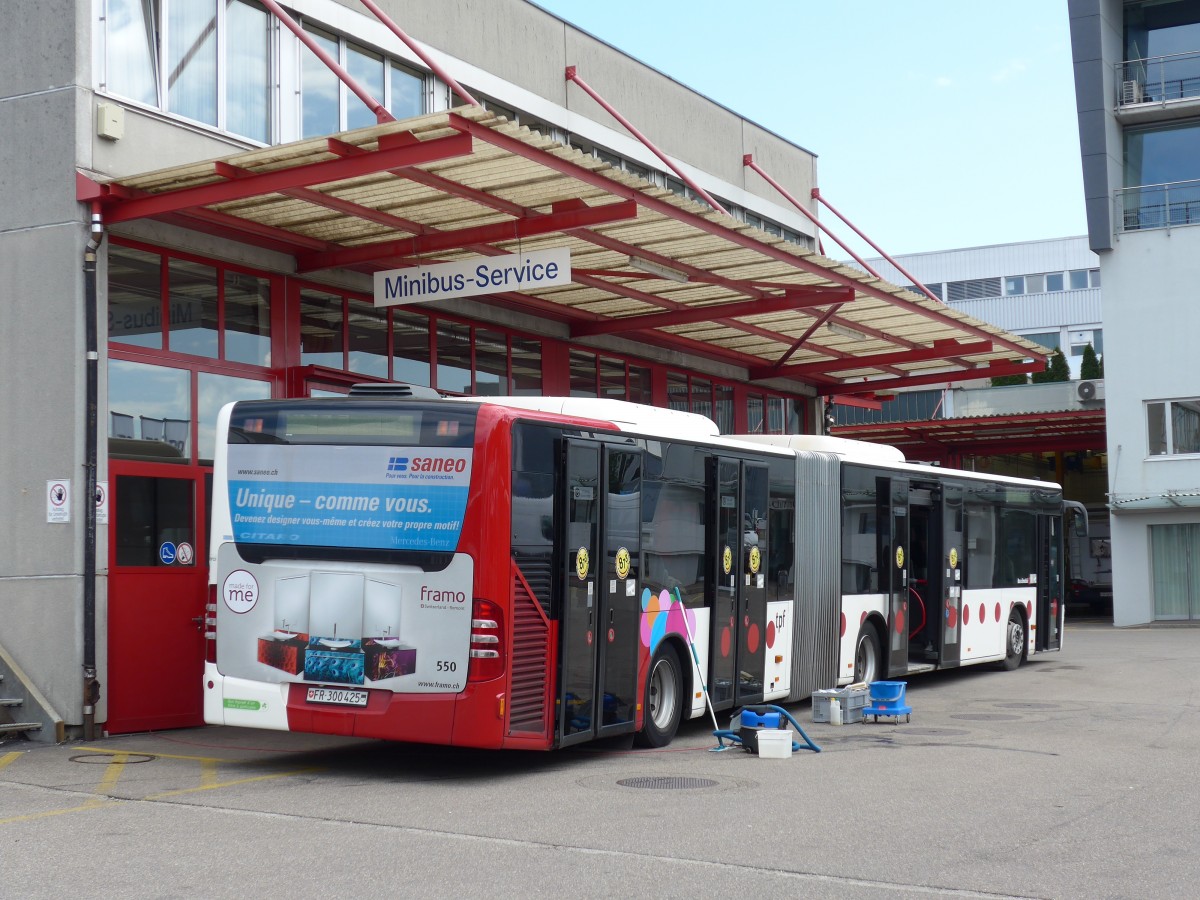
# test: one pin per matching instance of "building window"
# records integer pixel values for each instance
(1014, 284)
(1175, 551)
(975, 289)
(150, 412)
(410, 348)
(1054, 282)
(207, 61)
(1173, 427)
(1035, 284)
(185, 314)
(1051, 340)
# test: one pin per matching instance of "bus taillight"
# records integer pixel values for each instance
(210, 625)
(487, 643)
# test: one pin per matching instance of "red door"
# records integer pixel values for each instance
(157, 585)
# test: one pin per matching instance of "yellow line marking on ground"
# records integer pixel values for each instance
(208, 773)
(100, 795)
(221, 784)
(9, 758)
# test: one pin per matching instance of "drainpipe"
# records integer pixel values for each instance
(91, 687)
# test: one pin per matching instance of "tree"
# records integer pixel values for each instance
(1006, 380)
(1056, 370)
(1090, 367)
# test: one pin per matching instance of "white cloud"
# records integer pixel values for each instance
(943, 81)
(1011, 69)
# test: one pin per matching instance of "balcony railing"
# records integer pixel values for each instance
(1157, 206)
(1158, 79)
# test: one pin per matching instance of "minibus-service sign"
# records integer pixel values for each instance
(468, 278)
(384, 498)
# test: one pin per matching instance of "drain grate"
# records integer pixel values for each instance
(667, 782)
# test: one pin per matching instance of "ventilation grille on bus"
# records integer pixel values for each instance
(394, 389)
(530, 661)
(538, 571)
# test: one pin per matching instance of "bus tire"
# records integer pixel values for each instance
(867, 658)
(664, 699)
(1015, 640)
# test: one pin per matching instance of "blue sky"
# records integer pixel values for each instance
(938, 123)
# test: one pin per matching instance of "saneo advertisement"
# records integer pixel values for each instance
(337, 623)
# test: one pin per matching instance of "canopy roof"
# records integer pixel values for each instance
(954, 438)
(647, 264)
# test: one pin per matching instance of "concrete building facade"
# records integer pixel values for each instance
(1138, 99)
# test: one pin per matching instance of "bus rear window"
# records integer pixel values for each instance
(353, 422)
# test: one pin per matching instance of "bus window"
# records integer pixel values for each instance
(673, 522)
(1016, 562)
(860, 532)
(533, 524)
(981, 543)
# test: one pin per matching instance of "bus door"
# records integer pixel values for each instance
(953, 550)
(619, 606)
(581, 561)
(600, 618)
(157, 592)
(1050, 583)
(739, 526)
(898, 565)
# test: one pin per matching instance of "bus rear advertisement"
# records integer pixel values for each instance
(537, 572)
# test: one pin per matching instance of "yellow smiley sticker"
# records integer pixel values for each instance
(899, 557)
(755, 560)
(727, 560)
(622, 563)
(954, 557)
(581, 563)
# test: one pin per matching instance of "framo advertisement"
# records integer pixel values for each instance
(358, 624)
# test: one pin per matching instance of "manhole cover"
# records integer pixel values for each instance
(667, 782)
(937, 732)
(1027, 705)
(106, 758)
(987, 717)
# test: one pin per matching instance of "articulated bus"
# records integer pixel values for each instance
(534, 573)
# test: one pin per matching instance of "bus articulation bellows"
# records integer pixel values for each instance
(525, 572)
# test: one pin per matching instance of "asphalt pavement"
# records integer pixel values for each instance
(1073, 777)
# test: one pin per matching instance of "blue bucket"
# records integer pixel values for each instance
(888, 692)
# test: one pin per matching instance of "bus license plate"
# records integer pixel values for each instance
(337, 696)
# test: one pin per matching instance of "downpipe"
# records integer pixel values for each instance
(91, 687)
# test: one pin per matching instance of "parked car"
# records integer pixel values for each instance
(1097, 596)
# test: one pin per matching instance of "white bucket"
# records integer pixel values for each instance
(774, 743)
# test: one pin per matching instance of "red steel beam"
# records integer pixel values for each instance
(748, 161)
(939, 350)
(380, 111)
(421, 54)
(573, 76)
(993, 370)
(660, 205)
(465, 237)
(279, 180)
(684, 316)
(899, 268)
(317, 198)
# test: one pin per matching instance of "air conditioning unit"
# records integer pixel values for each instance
(1132, 92)
(1090, 390)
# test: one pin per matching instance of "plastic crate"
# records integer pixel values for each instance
(853, 699)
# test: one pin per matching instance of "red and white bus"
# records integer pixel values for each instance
(537, 572)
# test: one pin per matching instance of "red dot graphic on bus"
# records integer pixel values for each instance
(1028, 609)
(842, 633)
(752, 639)
(997, 612)
(899, 621)
(982, 613)
(966, 614)
(1054, 609)
(951, 617)
(725, 633)
(862, 618)
(771, 633)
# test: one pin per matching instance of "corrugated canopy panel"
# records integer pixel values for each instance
(646, 264)
(1040, 432)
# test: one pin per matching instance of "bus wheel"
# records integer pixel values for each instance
(664, 699)
(866, 655)
(1014, 641)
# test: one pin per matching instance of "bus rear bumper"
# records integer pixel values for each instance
(243, 703)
